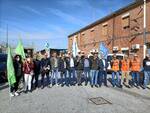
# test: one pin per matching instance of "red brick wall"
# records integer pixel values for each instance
(122, 37)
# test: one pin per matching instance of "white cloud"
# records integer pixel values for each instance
(29, 9)
(67, 17)
(76, 3)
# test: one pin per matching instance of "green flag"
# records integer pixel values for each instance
(10, 68)
(20, 50)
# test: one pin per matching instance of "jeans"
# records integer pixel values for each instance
(72, 75)
(135, 78)
(79, 76)
(146, 78)
(42, 79)
(94, 75)
(103, 77)
(114, 82)
(27, 78)
(63, 77)
(54, 74)
(15, 86)
(35, 76)
(86, 74)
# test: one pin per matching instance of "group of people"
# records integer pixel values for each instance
(78, 70)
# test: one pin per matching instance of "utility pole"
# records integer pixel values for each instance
(7, 37)
(144, 30)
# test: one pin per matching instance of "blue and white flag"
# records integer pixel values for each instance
(75, 48)
(103, 50)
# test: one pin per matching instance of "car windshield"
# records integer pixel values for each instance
(119, 57)
(3, 58)
(109, 58)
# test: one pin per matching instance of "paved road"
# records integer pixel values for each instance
(75, 99)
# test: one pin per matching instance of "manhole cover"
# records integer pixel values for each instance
(99, 101)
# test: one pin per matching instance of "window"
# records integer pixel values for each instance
(82, 34)
(148, 45)
(92, 29)
(126, 21)
(105, 29)
(148, 48)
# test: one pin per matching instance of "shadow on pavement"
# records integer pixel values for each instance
(3, 86)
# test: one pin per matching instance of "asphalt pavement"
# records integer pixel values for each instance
(76, 99)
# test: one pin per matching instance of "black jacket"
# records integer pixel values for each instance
(36, 66)
(18, 67)
(68, 62)
(95, 64)
(45, 63)
(79, 64)
(146, 64)
(61, 65)
(101, 64)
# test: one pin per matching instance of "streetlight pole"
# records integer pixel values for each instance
(144, 30)
(7, 37)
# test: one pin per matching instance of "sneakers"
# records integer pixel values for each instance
(12, 95)
(16, 94)
(42, 87)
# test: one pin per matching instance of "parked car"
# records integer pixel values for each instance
(3, 63)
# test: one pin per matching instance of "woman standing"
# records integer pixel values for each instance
(28, 68)
(18, 66)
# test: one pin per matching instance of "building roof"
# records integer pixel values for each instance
(116, 13)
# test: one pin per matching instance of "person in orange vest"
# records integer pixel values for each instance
(125, 67)
(115, 63)
(135, 71)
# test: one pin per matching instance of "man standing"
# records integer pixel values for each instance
(79, 68)
(125, 67)
(86, 69)
(54, 66)
(146, 66)
(45, 68)
(71, 69)
(62, 70)
(94, 69)
(115, 71)
(36, 71)
(135, 69)
(103, 71)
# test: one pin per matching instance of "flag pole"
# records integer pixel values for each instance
(7, 54)
(144, 30)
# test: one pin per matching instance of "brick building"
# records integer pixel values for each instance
(121, 31)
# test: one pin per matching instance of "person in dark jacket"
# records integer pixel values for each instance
(146, 66)
(94, 69)
(86, 69)
(79, 64)
(103, 71)
(62, 69)
(18, 67)
(45, 68)
(36, 71)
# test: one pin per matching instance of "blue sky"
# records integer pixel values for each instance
(41, 21)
